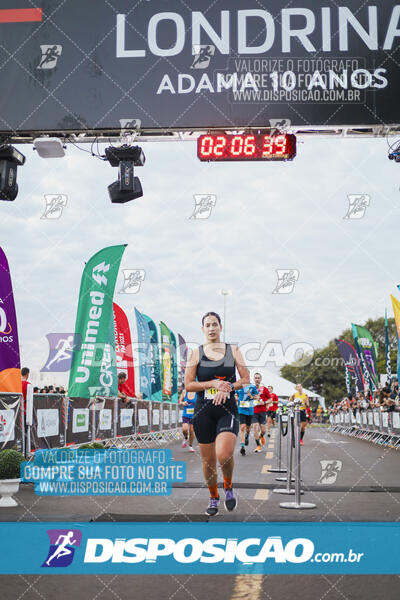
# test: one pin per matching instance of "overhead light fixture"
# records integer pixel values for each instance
(48, 147)
(10, 159)
(127, 187)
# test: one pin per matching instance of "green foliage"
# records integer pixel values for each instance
(92, 446)
(10, 461)
(325, 374)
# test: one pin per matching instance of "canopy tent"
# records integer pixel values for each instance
(284, 388)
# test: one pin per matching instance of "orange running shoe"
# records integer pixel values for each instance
(262, 440)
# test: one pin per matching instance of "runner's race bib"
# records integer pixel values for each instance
(190, 411)
(210, 393)
(245, 404)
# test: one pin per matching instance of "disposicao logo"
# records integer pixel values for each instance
(62, 547)
(191, 550)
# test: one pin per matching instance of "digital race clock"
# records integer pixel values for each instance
(246, 146)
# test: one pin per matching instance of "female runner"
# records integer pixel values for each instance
(211, 372)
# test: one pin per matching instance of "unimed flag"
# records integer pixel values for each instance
(123, 348)
(93, 368)
(10, 366)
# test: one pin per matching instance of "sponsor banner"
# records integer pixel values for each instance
(156, 410)
(174, 368)
(222, 64)
(93, 368)
(123, 348)
(367, 350)
(183, 356)
(126, 418)
(396, 420)
(354, 376)
(104, 422)
(79, 421)
(143, 417)
(144, 340)
(166, 415)
(387, 353)
(10, 373)
(199, 548)
(11, 422)
(48, 423)
(156, 391)
(166, 362)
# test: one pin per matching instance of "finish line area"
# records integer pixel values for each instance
(366, 488)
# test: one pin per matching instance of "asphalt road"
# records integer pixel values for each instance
(367, 488)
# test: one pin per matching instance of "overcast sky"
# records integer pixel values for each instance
(267, 217)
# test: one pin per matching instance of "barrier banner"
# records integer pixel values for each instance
(156, 423)
(174, 416)
(180, 416)
(93, 367)
(126, 418)
(11, 422)
(104, 418)
(48, 424)
(143, 416)
(166, 415)
(156, 392)
(10, 366)
(79, 421)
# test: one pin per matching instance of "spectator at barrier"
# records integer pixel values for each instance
(122, 391)
(385, 399)
(24, 376)
(35, 390)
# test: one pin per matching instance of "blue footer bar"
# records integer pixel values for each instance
(205, 548)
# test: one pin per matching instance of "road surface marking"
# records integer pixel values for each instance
(271, 445)
(247, 586)
(269, 455)
(265, 468)
(261, 495)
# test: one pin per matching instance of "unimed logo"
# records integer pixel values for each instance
(191, 550)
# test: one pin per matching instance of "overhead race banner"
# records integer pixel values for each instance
(114, 65)
(354, 374)
(10, 366)
(367, 349)
(166, 362)
(144, 354)
(93, 369)
(155, 361)
(123, 348)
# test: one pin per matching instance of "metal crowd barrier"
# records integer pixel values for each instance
(373, 425)
(58, 421)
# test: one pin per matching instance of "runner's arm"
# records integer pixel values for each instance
(242, 369)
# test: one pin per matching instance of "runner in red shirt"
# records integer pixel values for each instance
(272, 407)
(260, 412)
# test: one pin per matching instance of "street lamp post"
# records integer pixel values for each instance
(225, 293)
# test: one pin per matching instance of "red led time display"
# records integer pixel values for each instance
(246, 146)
